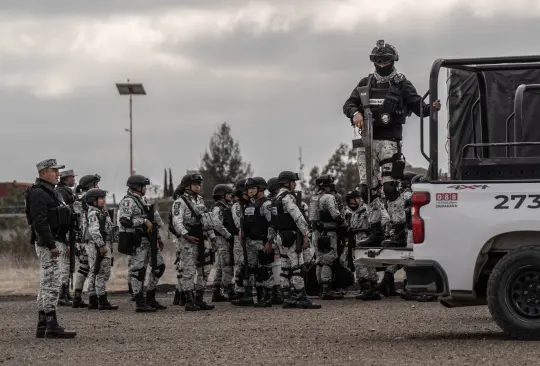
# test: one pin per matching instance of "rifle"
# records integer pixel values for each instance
(299, 236)
(199, 234)
(153, 237)
(73, 248)
(115, 232)
(366, 141)
(243, 242)
(351, 243)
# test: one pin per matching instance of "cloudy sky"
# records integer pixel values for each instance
(278, 71)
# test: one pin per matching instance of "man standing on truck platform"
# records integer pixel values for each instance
(392, 98)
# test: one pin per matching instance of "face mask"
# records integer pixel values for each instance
(385, 70)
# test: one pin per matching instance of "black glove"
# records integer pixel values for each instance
(392, 100)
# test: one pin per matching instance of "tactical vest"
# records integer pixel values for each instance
(377, 94)
(281, 220)
(102, 220)
(228, 221)
(59, 218)
(255, 224)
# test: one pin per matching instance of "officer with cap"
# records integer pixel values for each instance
(326, 219)
(392, 99)
(288, 220)
(133, 213)
(80, 209)
(242, 199)
(65, 189)
(50, 220)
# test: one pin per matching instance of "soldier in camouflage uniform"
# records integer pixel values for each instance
(190, 220)
(325, 219)
(86, 183)
(179, 294)
(65, 189)
(133, 218)
(359, 225)
(392, 99)
(99, 249)
(242, 199)
(273, 189)
(288, 221)
(224, 269)
(50, 220)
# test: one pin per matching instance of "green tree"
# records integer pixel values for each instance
(222, 161)
(165, 186)
(171, 185)
(342, 166)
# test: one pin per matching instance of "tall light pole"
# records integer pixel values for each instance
(130, 89)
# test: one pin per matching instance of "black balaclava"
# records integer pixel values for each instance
(385, 70)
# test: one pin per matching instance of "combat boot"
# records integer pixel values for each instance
(326, 292)
(104, 304)
(199, 301)
(64, 298)
(190, 302)
(266, 299)
(179, 298)
(92, 302)
(140, 304)
(78, 301)
(302, 301)
(276, 296)
(230, 292)
(367, 292)
(152, 302)
(288, 299)
(217, 296)
(339, 294)
(53, 330)
(41, 325)
(387, 286)
(374, 239)
(247, 299)
(260, 293)
(398, 239)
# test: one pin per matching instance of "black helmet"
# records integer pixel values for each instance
(190, 179)
(383, 52)
(240, 186)
(93, 194)
(324, 180)
(258, 182)
(178, 192)
(137, 181)
(352, 194)
(287, 176)
(273, 184)
(89, 181)
(221, 190)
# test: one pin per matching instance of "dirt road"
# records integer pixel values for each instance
(346, 332)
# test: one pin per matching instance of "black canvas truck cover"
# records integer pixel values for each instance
(464, 124)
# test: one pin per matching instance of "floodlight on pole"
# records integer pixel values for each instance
(130, 89)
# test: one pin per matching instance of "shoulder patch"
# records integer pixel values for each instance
(399, 78)
(126, 203)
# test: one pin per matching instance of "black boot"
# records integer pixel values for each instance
(289, 302)
(367, 291)
(247, 299)
(41, 325)
(398, 238)
(339, 294)
(152, 302)
(217, 296)
(199, 301)
(104, 304)
(92, 302)
(302, 301)
(387, 286)
(326, 292)
(230, 293)
(54, 330)
(266, 299)
(78, 301)
(64, 298)
(276, 296)
(140, 304)
(375, 237)
(179, 298)
(260, 293)
(190, 302)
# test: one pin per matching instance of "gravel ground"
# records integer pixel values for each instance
(346, 332)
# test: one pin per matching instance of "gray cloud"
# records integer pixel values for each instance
(278, 90)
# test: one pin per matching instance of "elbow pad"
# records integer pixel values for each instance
(125, 222)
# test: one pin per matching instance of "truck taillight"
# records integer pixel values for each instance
(418, 200)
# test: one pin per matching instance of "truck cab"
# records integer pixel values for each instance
(476, 237)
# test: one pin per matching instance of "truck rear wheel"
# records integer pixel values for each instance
(513, 293)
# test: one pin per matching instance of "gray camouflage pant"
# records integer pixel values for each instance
(381, 150)
(178, 266)
(139, 263)
(291, 267)
(363, 272)
(259, 274)
(193, 277)
(49, 277)
(325, 259)
(64, 276)
(224, 270)
(238, 265)
(83, 267)
(97, 283)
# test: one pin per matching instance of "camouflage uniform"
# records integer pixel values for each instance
(97, 282)
(49, 282)
(81, 256)
(238, 253)
(178, 265)
(224, 269)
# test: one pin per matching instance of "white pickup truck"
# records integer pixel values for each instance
(477, 236)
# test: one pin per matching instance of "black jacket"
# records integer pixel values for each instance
(41, 200)
(66, 193)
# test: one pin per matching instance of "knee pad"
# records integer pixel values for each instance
(263, 274)
(160, 270)
(140, 274)
(390, 191)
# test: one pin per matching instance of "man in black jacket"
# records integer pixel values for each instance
(392, 99)
(50, 221)
(65, 189)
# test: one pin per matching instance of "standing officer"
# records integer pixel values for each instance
(50, 221)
